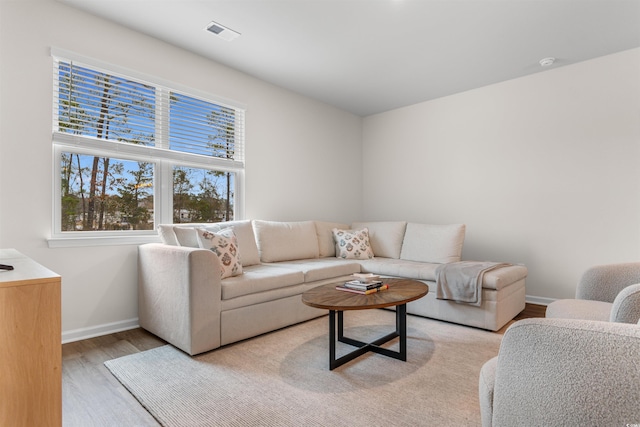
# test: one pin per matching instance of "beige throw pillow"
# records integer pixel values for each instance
(186, 236)
(167, 235)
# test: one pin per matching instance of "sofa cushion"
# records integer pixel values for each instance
(433, 243)
(225, 245)
(385, 236)
(321, 268)
(352, 244)
(500, 278)
(246, 239)
(284, 241)
(400, 268)
(260, 278)
(326, 244)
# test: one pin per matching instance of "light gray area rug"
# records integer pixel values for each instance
(283, 378)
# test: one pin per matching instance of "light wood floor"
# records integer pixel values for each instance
(530, 310)
(91, 396)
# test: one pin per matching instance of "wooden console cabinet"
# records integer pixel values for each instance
(30, 343)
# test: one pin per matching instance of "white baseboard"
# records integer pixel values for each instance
(99, 330)
(125, 325)
(538, 300)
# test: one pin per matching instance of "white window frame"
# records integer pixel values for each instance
(160, 156)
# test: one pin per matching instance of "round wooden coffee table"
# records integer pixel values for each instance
(400, 292)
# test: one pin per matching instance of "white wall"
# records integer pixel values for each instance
(542, 169)
(290, 155)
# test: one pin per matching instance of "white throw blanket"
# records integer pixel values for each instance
(462, 281)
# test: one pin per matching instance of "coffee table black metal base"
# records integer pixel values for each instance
(363, 347)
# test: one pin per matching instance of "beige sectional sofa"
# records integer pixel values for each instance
(184, 300)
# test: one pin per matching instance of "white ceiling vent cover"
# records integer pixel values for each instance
(221, 31)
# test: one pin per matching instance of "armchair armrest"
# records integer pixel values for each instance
(179, 295)
(604, 282)
(485, 390)
(626, 306)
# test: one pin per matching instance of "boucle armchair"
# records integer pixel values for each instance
(605, 292)
(563, 372)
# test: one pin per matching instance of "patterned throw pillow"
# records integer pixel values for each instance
(352, 244)
(224, 244)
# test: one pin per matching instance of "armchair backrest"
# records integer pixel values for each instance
(567, 372)
(604, 282)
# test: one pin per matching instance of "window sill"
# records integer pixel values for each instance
(74, 242)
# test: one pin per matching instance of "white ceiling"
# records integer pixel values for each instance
(370, 56)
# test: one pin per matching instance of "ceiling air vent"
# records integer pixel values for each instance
(221, 31)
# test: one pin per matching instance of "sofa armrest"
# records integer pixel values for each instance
(179, 295)
(626, 306)
(604, 282)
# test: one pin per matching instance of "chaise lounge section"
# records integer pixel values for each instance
(199, 297)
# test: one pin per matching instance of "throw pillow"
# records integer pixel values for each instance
(246, 239)
(167, 235)
(352, 244)
(225, 245)
(186, 236)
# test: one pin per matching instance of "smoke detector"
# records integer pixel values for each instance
(221, 31)
(547, 62)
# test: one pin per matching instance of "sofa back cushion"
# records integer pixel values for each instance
(285, 241)
(185, 235)
(326, 243)
(385, 236)
(433, 243)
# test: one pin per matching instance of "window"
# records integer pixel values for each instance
(130, 154)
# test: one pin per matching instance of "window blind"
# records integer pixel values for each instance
(132, 151)
(102, 105)
(200, 127)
